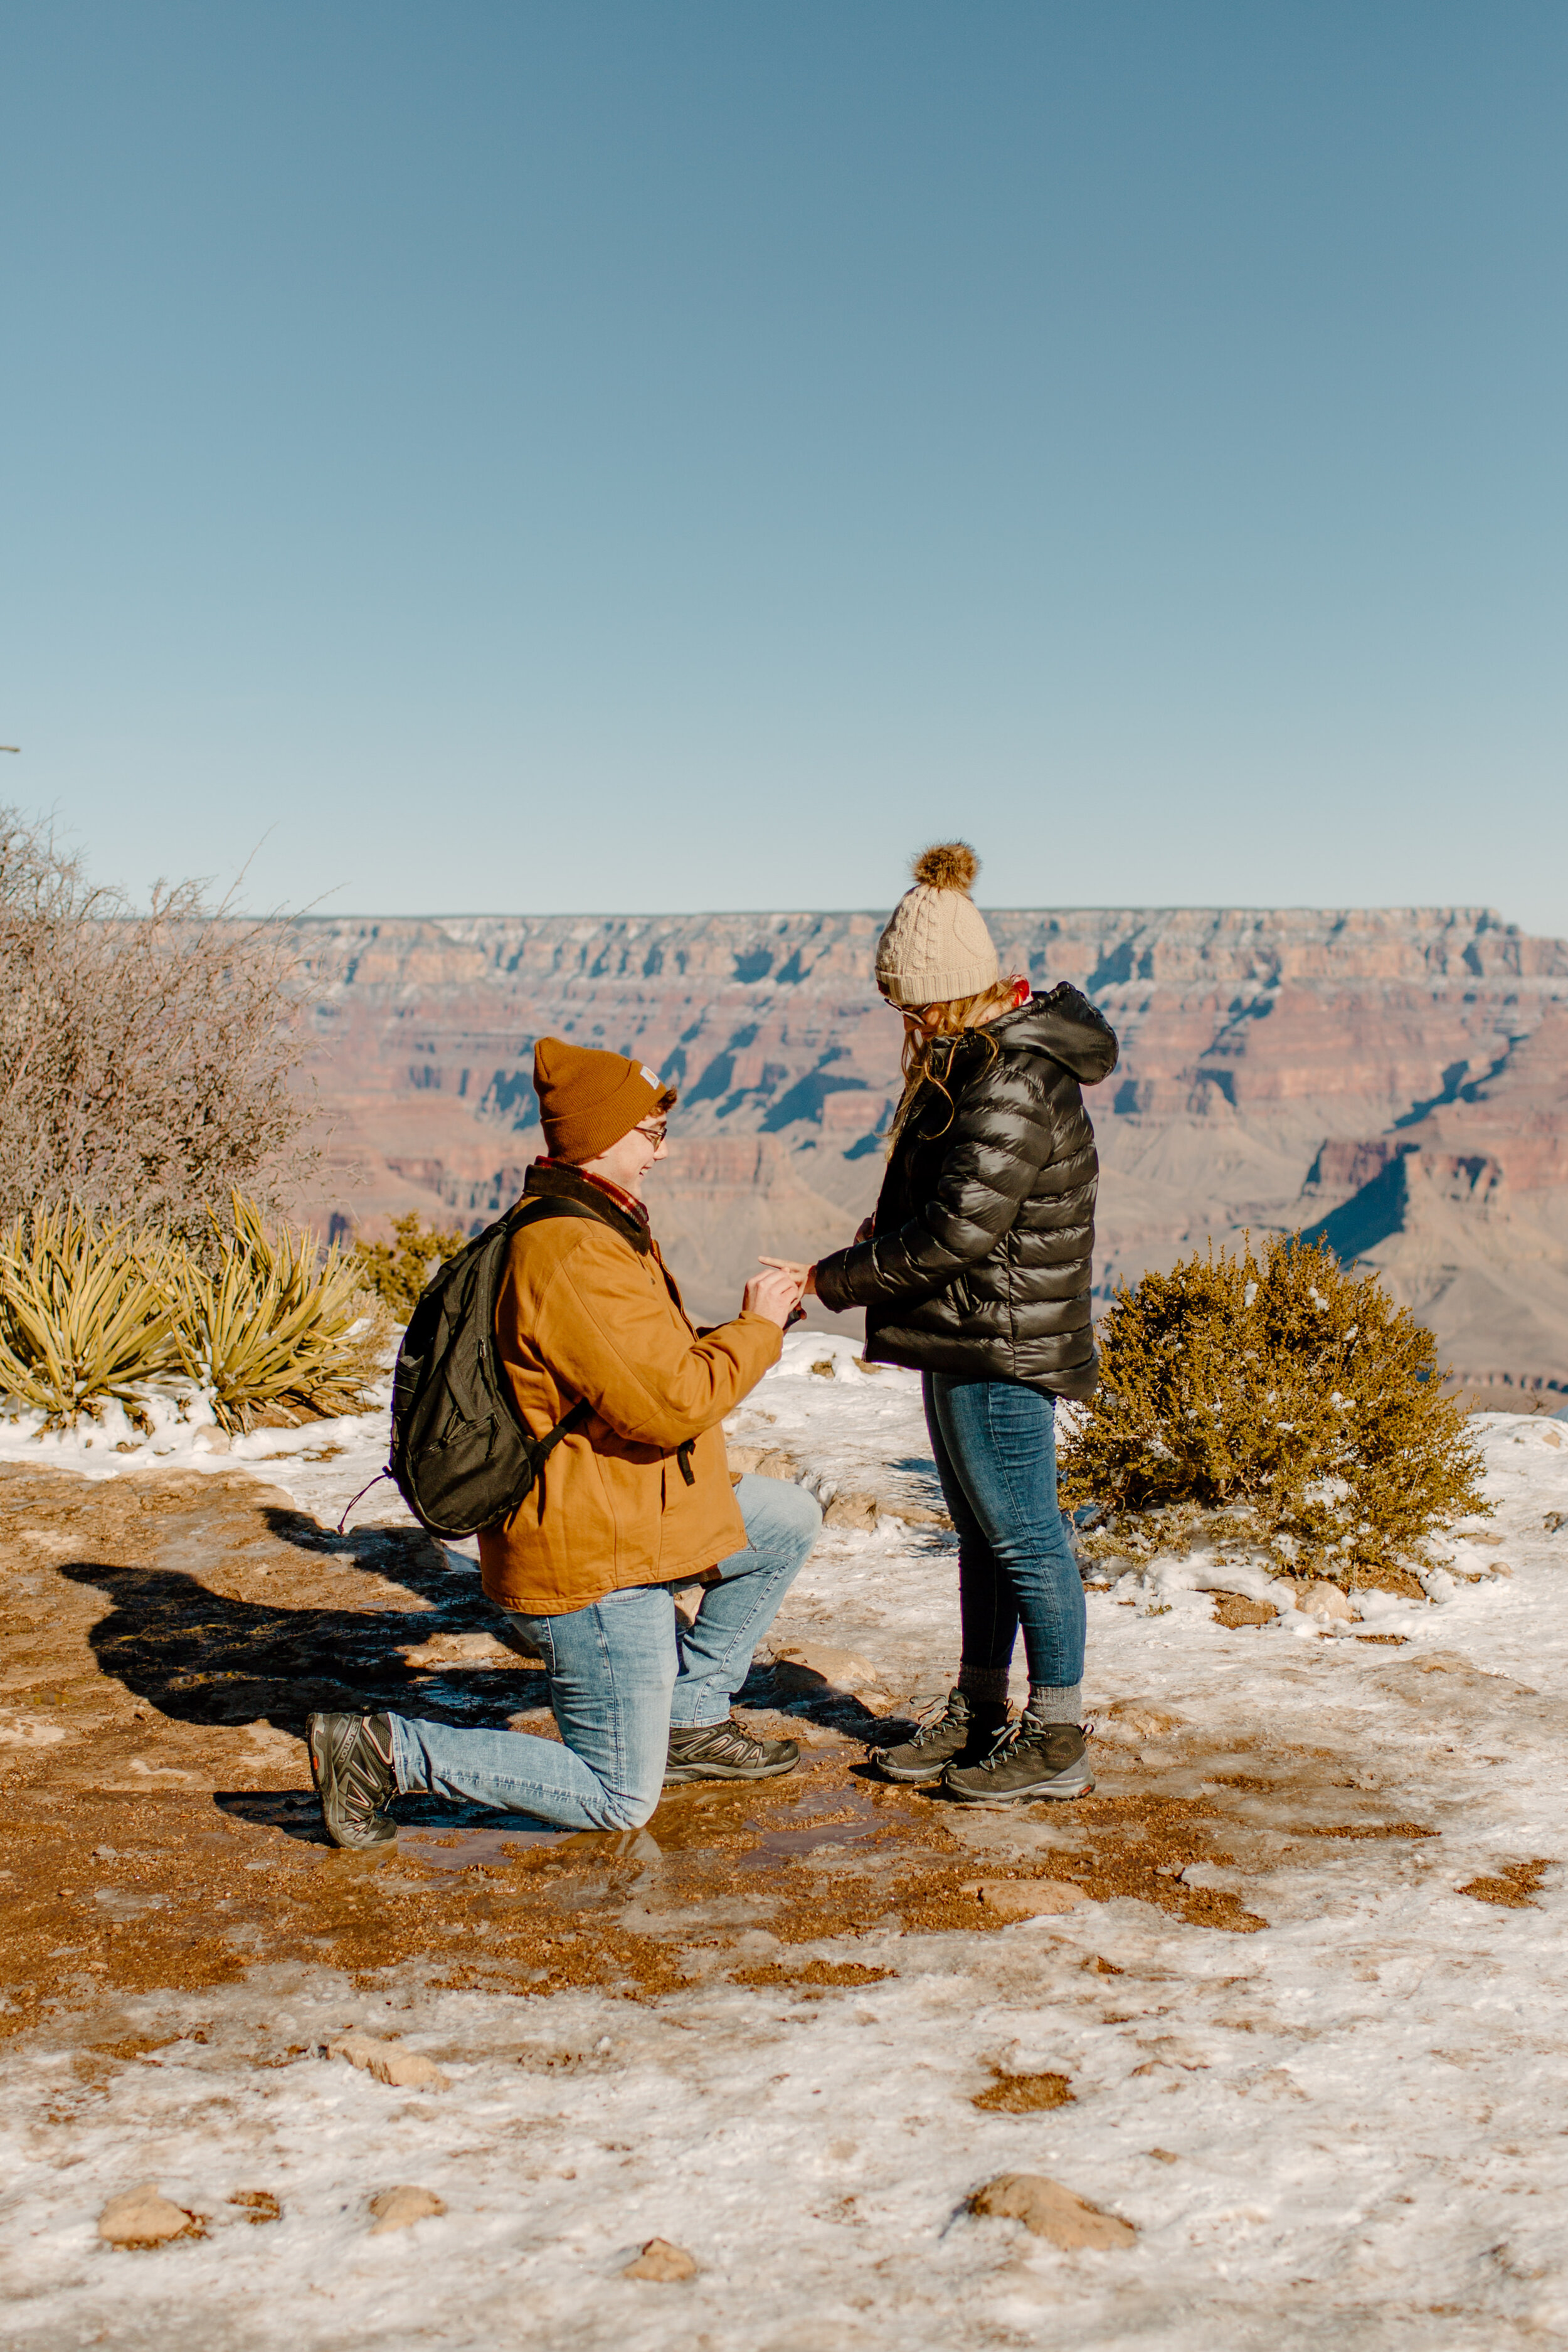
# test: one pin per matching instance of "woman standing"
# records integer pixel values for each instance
(976, 1271)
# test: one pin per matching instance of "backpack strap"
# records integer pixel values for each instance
(533, 1210)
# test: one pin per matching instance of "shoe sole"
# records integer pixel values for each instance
(678, 1775)
(904, 1779)
(1056, 1791)
(323, 1778)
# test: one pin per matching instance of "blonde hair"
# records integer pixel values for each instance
(925, 1023)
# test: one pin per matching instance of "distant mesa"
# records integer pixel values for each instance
(1394, 1078)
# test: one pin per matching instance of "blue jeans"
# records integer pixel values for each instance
(995, 1448)
(621, 1673)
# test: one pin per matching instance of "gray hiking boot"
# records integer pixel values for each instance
(350, 1765)
(722, 1751)
(1029, 1761)
(963, 1732)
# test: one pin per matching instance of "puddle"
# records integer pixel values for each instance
(852, 1817)
(476, 1849)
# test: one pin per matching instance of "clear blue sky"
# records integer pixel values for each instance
(635, 454)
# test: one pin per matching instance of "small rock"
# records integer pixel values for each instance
(143, 2216)
(811, 1669)
(1024, 1898)
(395, 2209)
(1048, 2211)
(1322, 1598)
(257, 2205)
(1552, 1521)
(760, 1461)
(1236, 1609)
(1552, 1436)
(389, 2061)
(857, 1510)
(457, 1650)
(1127, 1723)
(824, 1371)
(661, 2260)
(915, 1515)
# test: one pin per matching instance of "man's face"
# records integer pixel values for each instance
(628, 1160)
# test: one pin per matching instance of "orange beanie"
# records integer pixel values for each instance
(588, 1099)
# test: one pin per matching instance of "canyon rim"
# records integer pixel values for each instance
(1394, 1078)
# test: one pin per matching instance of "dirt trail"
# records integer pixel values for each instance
(165, 1635)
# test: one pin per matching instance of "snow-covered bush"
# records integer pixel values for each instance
(1286, 1402)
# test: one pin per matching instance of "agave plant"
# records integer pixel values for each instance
(273, 1323)
(85, 1311)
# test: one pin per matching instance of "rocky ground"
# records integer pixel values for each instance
(1277, 2010)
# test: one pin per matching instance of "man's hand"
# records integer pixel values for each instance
(865, 1229)
(804, 1277)
(775, 1293)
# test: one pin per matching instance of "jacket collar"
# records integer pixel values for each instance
(545, 1181)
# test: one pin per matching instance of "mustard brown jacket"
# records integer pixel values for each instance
(639, 1494)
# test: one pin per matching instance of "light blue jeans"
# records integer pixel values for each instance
(622, 1672)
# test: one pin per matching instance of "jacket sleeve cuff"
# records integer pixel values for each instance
(834, 1282)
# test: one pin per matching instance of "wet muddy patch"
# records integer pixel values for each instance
(169, 1634)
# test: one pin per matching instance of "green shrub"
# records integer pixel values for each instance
(398, 1270)
(85, 1311)
(1290, 1400)
(89, 1309)
(275, 1322)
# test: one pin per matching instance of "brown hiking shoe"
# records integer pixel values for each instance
(1031, 1760)
(722, 1751)
(963, 1732)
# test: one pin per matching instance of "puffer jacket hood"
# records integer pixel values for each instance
(981, 1256)
(1055, 1025)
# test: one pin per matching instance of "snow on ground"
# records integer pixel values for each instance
(1345, 2130)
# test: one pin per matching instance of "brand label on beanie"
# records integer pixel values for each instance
(651, 1076)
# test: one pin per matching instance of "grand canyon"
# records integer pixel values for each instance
(1395, 1079)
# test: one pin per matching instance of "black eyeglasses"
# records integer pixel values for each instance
(654, 1131)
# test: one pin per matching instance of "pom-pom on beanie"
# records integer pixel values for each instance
(937, 946)
(589, 1100)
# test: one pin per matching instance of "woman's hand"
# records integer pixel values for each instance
(805, 1275)
(775, 1293)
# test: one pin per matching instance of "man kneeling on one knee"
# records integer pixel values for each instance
(633, 1501)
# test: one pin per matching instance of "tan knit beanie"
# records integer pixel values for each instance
(937, 946)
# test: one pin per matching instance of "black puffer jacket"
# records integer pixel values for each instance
(979, 1263)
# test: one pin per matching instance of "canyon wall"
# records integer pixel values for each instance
(1395, 1078)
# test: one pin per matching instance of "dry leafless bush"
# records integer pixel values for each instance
(145, 1058)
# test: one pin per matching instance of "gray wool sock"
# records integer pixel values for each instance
(1052, 1706)
(984, 1683)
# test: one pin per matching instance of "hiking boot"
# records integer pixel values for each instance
(722, 1751)
(1030, 1761)
(963, 1732)
(353, 1778)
